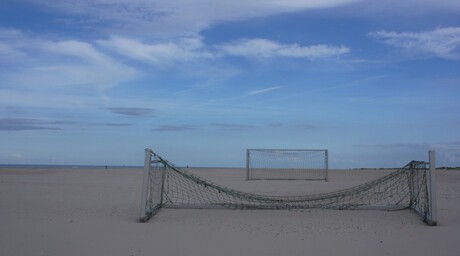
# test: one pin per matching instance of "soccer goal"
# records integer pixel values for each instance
(412, 186)
(286, 164)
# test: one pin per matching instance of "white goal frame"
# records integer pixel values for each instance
(322, 165)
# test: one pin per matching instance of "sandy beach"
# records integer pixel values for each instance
(95, 211)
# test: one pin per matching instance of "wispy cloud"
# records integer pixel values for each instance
(11, 41)
(42, 62)
(293, 126)
(106, 124)
(264, 48)
(405, 8)
(129, 111)
(7, 51)
(252, 93)
(440, 42)
(22, 124)
(173, 17)
(158, 53)
(191, 48)
(27, 124)
(174, 128)
(234, 127)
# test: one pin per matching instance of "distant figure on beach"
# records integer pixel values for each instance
(106, 167)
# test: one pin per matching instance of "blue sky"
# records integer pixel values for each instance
(96, 82)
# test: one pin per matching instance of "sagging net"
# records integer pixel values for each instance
(173, 187)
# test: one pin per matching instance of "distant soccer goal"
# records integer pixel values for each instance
(286, 164)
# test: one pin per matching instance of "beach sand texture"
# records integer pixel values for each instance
(84, 211)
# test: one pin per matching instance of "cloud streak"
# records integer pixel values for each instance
(174, 17)
(440, 42)
(45, 63)
(137, 112)
(233, 127)
(174, 128)
(23, 124)
(189, 49)
(29, 124)
(159, 53)
(263, 48)
(252, 93)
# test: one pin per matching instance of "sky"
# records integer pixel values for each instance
(377, 83)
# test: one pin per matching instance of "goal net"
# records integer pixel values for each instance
(168, 186)
(286, 164)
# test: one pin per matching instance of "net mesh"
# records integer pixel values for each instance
(172, 187)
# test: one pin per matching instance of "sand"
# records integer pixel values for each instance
(84, 211)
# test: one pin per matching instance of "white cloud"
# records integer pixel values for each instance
(440, 42)
(406, 8)
(175, 17)
(182, 49)
(39, 98)
(9, 40)
(41, 62)
(7, 51)
(81, 50)
(263, 48)
(189, 49)
(251, 93)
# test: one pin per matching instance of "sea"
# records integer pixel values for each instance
(46, 166)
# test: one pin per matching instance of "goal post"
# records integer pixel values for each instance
(153, 185)
(287, 164)
(432, 217)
